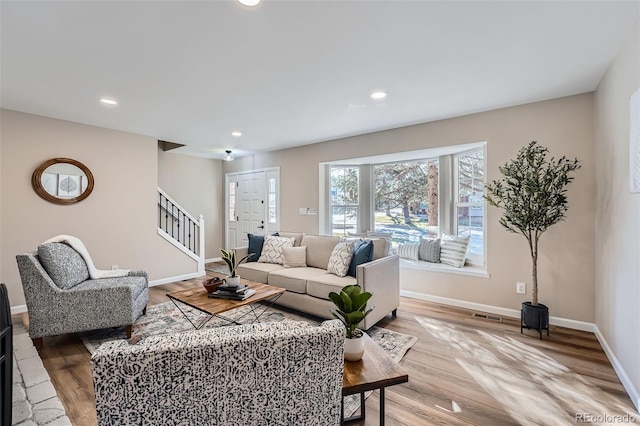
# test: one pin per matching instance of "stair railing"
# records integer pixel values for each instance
(181, 229)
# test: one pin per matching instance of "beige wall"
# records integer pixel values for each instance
(117, 222)
(618, 214)
(566, 264)
(197, 185)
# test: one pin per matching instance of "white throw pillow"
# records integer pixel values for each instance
(453, 250)
(409, 250)
(273, 248)
(341, 258)
(295, 257)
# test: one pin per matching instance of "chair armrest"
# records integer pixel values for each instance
(139, 273)
(381, 278)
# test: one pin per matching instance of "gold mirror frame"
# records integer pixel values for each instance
(36, 181)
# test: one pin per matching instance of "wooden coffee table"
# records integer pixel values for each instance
(376, 370)
(198, 299)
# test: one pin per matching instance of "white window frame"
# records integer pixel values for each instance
(471, 258)
(447, 190)
(357, 206)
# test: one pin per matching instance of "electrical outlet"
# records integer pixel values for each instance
(521, 288)
(114, 267)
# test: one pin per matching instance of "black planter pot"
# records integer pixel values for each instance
(534, 317)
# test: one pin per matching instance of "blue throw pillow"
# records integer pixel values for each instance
(255, 246)
(363, 253)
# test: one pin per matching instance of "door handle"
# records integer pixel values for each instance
(261, 227)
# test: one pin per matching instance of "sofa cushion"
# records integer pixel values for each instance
(362, 253)
(340, 259)
(297, 237)
(258, 272)
(272, 249)
(319, 249)
(429, 249)
(321, 285)
(295, 257)
(294, 279)
(380, 246)
(64, 265)
(453, 250)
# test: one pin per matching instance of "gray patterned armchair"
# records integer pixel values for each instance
(286, 373)
(62, 299)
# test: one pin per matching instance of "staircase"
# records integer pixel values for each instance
(181, 229)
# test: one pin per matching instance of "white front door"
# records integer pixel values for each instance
(251, 210)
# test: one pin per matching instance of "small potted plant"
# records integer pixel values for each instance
(352, 309)
(533, 196)
(229, 257)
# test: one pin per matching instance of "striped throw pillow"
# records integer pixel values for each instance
(429, 249)
(409, 251)
(453, 250)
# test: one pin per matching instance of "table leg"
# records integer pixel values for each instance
(382, 406)
(196, 326)
(362, 414)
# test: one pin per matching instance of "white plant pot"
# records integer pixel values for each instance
(354, 348)
(233, 281)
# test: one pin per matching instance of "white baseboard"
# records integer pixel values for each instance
(175, 279)
(512, 313)
(634, 393)
(215, 259)
(18, 309)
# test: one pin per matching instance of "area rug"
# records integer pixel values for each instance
(166, 318)
(216, 267)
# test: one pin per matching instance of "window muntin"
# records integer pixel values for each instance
(344, 199)
(406, 200)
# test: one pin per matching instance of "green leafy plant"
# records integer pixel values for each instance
(229, 257)
(352, 307)
(533, 196)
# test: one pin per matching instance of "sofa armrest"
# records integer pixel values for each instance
(241, 252)
(382, 279)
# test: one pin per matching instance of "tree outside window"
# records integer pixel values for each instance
(406, 199)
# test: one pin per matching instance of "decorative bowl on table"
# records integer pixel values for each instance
(212, 284)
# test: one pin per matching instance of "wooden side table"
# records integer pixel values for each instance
(376, 370)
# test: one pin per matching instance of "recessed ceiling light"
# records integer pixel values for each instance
(236, 134)
(108, 101)
(249, 2)
(378, 95)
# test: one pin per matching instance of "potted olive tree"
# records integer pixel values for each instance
(352, 309)
(532, 194)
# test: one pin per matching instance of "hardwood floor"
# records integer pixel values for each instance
(462, 371)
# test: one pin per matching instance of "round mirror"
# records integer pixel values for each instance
(62, 181)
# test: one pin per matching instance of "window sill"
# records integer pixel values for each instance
(474, 271)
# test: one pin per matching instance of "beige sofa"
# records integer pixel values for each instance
(308, 287)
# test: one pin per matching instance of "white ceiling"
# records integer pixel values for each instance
(289, 73)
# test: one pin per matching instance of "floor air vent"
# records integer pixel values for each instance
(488, 317)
